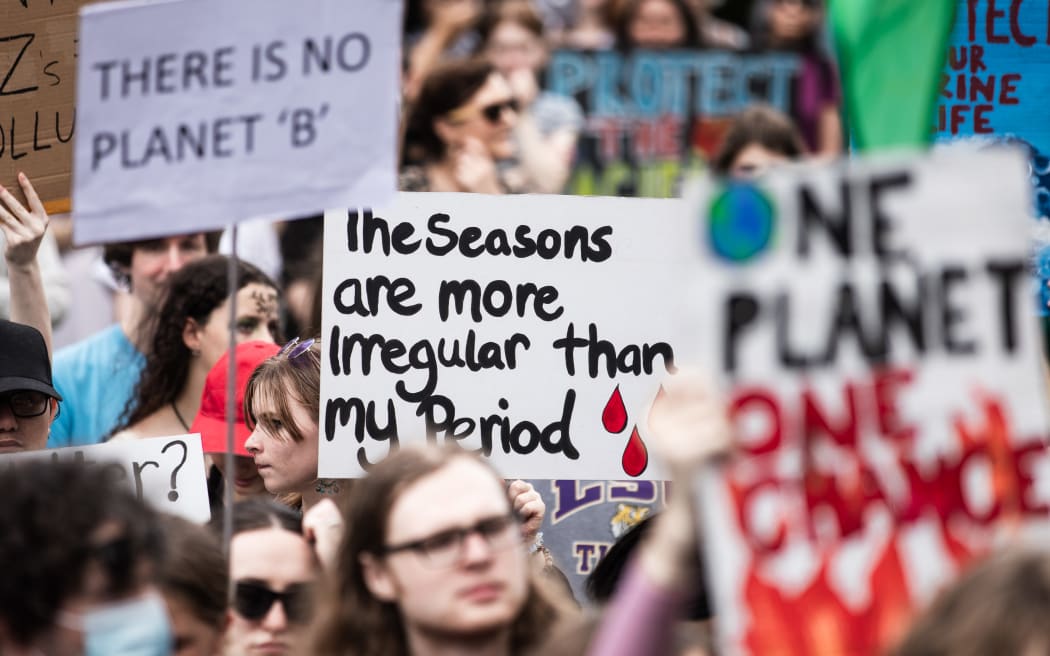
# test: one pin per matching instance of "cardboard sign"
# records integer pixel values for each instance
(532, 329)
(37, 84)
(166, 472)
(193, 114)
(883, 372)
(653, 116)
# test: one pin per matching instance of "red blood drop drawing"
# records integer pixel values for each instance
(635, 455)
(614, 416)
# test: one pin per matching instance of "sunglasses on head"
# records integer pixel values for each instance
(252, 601)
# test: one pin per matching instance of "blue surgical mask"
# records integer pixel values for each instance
(136, 627)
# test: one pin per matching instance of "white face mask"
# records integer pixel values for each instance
(135, 627)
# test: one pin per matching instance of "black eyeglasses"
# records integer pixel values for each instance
(808, 4)
(494, 112)
(445, 549)
(25, 403)
(253, 601)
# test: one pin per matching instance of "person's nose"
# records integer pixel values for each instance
(275, 620)
(8, 420)
(260, 334)
(253, 444)
(476, 550)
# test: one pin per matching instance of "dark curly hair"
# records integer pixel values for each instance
(49, 514)
(192, 292)
(449, 86)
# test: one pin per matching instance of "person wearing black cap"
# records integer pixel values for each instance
(28, 400)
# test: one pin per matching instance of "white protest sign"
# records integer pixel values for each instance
(193, 114)
(530, 328)
(165, 472)
(871, 322)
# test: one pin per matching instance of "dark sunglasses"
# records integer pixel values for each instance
(253, 601)
(494, 112)
(26, 403)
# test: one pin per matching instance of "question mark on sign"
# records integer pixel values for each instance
(174, 495)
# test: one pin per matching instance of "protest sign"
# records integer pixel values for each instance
(532, 329)
(585, 518)
(884, 381)
(995, 87)
(651, 116)
(996, 79)
(165, 472)
(193, 114)
(37, 83)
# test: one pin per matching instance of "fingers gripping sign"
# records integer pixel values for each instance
(529, 507)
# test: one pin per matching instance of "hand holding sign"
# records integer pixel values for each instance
(688, 423)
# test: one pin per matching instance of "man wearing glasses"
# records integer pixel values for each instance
(28, 400)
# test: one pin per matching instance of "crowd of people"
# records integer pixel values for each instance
(432, 552)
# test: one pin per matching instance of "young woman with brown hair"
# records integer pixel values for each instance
(434, 561)
(458, 132)
(282, 404)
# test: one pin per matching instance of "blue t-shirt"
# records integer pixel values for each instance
(95, 377)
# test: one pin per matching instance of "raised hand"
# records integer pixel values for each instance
(688, 423)
(528, 506)
(23, 228)
(474, 169)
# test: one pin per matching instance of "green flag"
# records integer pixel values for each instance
(891, 54)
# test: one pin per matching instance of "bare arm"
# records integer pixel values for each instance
(829, 132)
(24, 229)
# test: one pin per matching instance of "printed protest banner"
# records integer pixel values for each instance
(651, 117)
(585, 518)
(532, 329)
(37, 83)
(883, 374)
(165, 472)
(195, 114)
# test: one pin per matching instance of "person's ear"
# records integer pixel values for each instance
(378, 578)
(446, 131)
(191, 335)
